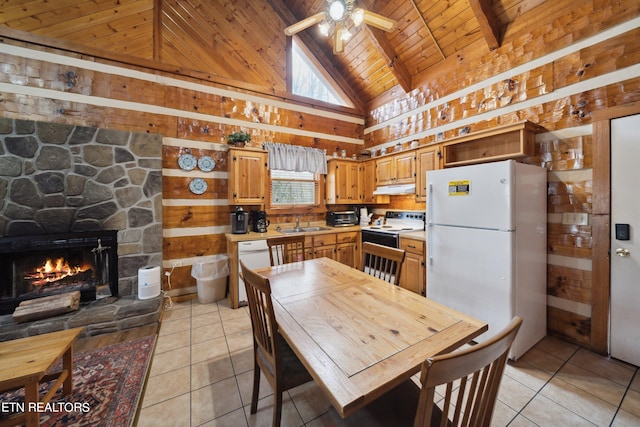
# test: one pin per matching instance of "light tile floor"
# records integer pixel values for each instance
(203, 368)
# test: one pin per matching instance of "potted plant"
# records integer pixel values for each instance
(239, 138)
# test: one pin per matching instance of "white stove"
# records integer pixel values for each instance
(399, 221)
(396, 222)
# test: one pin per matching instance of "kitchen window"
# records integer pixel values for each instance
(294, 189)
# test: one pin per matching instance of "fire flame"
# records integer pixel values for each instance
(52, 271)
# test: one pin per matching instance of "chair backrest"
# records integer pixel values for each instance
(263, 318)
(283, 250)
(476, 371)
(382, 261)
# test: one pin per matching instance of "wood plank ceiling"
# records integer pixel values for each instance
(243, 41)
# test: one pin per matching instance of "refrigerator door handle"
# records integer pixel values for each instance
(429, 222)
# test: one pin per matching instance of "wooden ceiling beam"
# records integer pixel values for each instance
(426, 25)
(289, 18)
(388, 52)
(391, 58)
(489, 23)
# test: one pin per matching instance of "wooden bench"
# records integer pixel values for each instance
(25, 362)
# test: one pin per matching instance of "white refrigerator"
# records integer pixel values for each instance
(486, 245)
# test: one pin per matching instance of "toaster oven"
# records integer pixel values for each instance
(342, 218)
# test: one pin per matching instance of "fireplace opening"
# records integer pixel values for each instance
(37, 266)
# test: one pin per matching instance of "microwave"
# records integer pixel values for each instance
(342, 218)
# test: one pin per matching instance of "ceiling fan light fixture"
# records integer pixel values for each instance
(358, 16)
(378, 21)
(324, 28)
(337, 10)
(338, 41)
(305, 23)
(337, 17)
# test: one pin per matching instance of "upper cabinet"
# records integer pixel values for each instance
(427, 159)
(396, 168)
(343, 181)
(247, 176)
(369, 182)
(501, 143)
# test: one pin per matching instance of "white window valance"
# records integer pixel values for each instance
(295, 158)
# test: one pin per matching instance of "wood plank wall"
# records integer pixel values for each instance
(561, 93)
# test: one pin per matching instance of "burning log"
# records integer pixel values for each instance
(57, 271)
(44, 307)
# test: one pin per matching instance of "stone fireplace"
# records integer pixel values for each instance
(76, 181)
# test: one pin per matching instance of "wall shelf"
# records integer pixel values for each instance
(505, 142)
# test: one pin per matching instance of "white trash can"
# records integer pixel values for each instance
(211, 274)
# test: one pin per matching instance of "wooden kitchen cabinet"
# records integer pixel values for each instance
(413, 276)
(385, 173)
(369, 182)
(427, 159)
(348, 249)
(501, 143)
(343, 181)
(396, 169)
(343, 247)
(247, 176)
(321, 245)
(405, 167)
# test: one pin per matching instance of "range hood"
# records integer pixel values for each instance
(395, 189)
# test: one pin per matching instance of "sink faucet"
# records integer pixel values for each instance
(297, 222)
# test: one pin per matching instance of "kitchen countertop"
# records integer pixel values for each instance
(271, 232)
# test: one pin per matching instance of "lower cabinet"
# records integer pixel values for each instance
(413, 276)
(342, 247)
(347, 249)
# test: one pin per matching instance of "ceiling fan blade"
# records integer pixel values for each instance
(338, 41)
(378, 21)
(304, 24)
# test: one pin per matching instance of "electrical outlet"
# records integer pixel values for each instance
(575, 218)
(175, 264)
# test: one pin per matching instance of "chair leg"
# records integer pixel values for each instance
(256, 388)
(277, 410)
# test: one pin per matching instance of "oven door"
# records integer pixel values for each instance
(386, 239)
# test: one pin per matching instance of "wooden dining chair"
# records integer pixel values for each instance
(283, 250)
(468, 379)
(272, 355)
(382, 262)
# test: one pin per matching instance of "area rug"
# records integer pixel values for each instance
(107, 387)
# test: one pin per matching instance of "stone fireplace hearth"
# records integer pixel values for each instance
(58, 178)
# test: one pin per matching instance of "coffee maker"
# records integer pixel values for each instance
(260, 221)
(239, 221)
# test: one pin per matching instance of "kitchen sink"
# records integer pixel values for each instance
(302, 229)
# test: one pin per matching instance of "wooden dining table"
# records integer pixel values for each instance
(359, 336)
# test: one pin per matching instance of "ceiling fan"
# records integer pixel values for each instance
(338, 15)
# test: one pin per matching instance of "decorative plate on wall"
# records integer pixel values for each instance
(198, 186)
(206, 163)
(187, 161)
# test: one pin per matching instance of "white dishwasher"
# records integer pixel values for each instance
(254, 254)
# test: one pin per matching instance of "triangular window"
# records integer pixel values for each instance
(310, 82)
